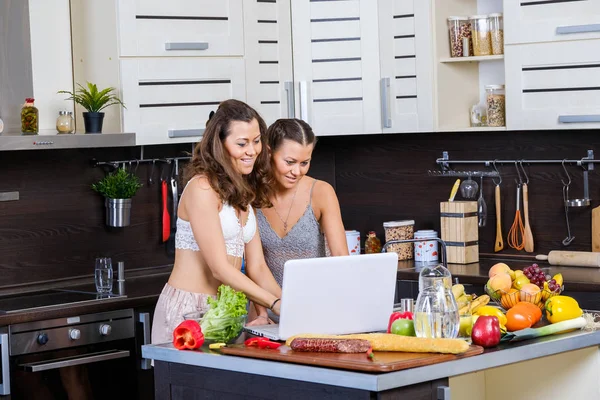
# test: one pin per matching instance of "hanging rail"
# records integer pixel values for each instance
(464, 174)
(136, 162)
(585, 162)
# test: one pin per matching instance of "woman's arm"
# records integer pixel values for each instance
(202, 206)
(331, 218)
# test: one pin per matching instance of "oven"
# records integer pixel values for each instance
(89, 356)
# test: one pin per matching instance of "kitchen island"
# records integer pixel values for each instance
(562, 366)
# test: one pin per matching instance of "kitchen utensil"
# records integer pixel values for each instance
(150, 178)
(454, 190)
(481, 206)
(166, 220)
(515, 234)
(174, 204)
(528, 235)
(385, 361)
(596, 229)
(586, 201)
(499, 244)
(571, 258)
(468, 189)
(566, 241)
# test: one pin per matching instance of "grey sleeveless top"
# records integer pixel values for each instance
(304, 240)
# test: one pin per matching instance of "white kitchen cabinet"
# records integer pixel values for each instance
(530, 21)
(169, 99)
(406, 61)
(553, 85)
(180, 28)
(336, 65)
(268, 59)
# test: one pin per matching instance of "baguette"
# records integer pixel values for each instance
(391, 342)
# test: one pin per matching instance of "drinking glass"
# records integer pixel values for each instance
(466, 322)
(104, 275)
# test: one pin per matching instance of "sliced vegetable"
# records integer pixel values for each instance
(267, 344)
(215, 346)
(188, 335)
(370, 354)
(562, 308)
(254, 341)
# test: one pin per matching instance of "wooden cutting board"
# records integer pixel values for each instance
(596, 229)
(383, 361)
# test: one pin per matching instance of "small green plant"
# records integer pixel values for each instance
(92, 99)
(119, 184)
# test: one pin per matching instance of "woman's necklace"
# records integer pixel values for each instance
(285, 222)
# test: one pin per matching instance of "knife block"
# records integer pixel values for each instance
(460, 230)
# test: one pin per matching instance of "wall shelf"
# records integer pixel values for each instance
(471, 59)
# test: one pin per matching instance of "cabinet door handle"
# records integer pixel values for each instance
(144, 318)
(289, 93)
(572, 119)
(186, 46)
(5, 385)
(179, 133)
(304, 101)
(443, 393)
(565, 30)
(386, 111)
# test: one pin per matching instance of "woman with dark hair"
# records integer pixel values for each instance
(304, 216)
(216, 226)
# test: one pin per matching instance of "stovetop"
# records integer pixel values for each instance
(49, 298)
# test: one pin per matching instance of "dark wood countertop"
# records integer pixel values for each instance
(577, 279)
(141, 287)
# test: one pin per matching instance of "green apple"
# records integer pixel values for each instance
(404, 327)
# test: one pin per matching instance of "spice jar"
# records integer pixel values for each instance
(29, 117)
(372, 244)
(496, 105)
(459, 28)
(480, 35)
(497, 33)
(64, 123)
(400, 230)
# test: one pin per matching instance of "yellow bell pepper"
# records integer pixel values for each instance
(492, 312)
(562, 308)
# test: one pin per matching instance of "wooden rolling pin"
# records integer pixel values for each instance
(571, 258)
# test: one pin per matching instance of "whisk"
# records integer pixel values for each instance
(517, 230)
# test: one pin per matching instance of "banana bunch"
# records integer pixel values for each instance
(468, 302)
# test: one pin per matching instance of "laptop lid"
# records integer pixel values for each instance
(338, 295)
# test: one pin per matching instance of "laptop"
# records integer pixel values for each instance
(334, 295)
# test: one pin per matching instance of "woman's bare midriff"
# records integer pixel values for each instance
(192, 274)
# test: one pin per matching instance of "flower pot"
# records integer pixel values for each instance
(118, 212)
(93, 122)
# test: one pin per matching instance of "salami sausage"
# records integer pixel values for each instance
(330, 345)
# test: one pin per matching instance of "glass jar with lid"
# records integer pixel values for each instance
(480, 35)
(459, 28)
(496, 33)
(64, 122)
(495, 105)
(29, 117)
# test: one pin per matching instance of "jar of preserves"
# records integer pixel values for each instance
(495, 105)
(29, 117)
(372, 244)
(480, 35)
(497, 33)
(459, 29)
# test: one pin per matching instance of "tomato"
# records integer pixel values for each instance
(404, 327)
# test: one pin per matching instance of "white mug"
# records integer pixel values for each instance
(353, 240)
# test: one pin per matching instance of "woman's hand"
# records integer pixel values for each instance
(260, 320)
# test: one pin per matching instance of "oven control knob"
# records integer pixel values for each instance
(105, 329)
(74, 334)
(42, 338)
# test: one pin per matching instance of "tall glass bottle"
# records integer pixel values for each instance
(29, 117)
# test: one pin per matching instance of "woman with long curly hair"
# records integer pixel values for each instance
(216, 226)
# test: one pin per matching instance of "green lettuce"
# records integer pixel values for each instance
(220, 324)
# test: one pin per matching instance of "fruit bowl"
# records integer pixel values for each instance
(533, 285)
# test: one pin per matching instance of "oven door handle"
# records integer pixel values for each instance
(76, 360)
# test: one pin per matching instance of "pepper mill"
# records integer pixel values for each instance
(121, 277)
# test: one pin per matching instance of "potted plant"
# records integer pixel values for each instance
(118, 188)
(94, 101)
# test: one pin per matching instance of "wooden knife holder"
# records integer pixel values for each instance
(460, 230)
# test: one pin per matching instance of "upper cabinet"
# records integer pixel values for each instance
(530, 21)
(405, 44)
(268, 59)
(180, 28)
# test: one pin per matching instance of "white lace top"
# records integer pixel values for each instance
(235, 236)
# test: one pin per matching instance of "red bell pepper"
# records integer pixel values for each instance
(261, 343)
(398, 315)
(188, 335)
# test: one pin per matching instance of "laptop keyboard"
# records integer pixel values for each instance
(272, 329)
